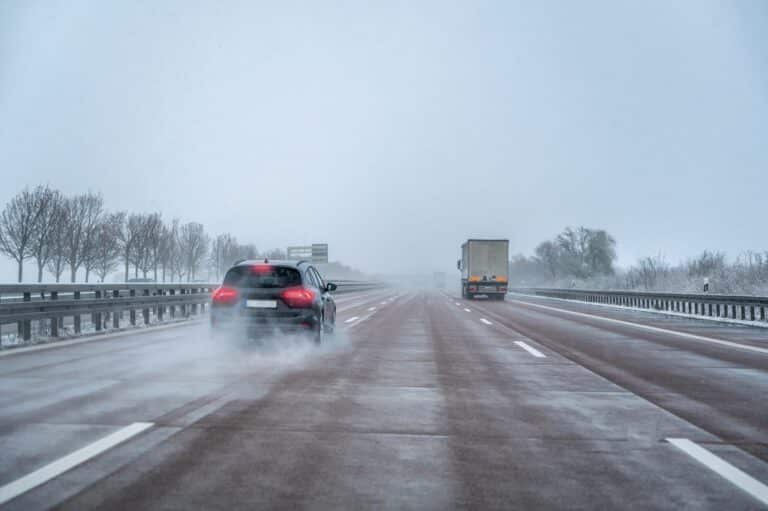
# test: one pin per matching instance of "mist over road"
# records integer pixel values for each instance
(423, 400)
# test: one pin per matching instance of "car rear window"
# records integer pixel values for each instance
(262, 276)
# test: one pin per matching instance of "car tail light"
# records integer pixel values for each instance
(473, 288)
(298, 297)
(503, 289)
(225, 296)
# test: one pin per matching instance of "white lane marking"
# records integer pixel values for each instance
(485, 321)
(458, 304)
(716, 464)
(467, 310)
(371, 309)
(532, 351)
(70, 461)
(350, 320)
(685, 335)
(383, 303)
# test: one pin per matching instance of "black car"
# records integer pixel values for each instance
(263, 297)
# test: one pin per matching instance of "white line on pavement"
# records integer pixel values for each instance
(485, 321)
(467, 310)
(350, 320)
(70, 461)
(458, 304)
(652, 328)
(720, 466)
(532, 351)
(371, 309)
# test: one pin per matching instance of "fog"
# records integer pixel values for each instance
(393, 132)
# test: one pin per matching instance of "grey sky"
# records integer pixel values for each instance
(396, 130)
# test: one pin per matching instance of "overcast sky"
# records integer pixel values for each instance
(394, 131)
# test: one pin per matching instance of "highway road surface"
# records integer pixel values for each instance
(423, 400)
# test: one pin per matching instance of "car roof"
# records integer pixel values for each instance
(274, 262)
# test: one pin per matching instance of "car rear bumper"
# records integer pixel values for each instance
(264, 324)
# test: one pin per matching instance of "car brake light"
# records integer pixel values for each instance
(225, 296)
(261, 269)
(298, 297)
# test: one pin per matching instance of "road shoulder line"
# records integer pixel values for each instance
(70, 461)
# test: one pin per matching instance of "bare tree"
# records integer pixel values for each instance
(224, 251)
(83, 215)
(128, 238)
(166, 249)
(57, 262)
(19, 223)
(194, 247)
(151, 238)
(548, 254)
(49, 202)
(176, 260)
(107, 250)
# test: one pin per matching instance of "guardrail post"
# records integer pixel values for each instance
(762, 313)
(76, 319)
(25, 326)
(194, 305)
(161, 306)
(132, 313)
(145, 312)
(96, 316)
(751, 312)
(116, 314)
(54, 320)
(172, 307)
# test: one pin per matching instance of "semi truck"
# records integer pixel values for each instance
(484, 267)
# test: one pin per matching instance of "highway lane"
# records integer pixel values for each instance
(720, 388)
(423, 401)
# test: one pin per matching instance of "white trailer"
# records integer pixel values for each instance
(484, 267)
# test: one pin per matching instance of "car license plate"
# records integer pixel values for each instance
(261, 304)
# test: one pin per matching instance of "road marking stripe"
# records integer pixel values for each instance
(371, 309)
(70, 461)
(485, 321)
(529, 349)
(383, 303)
(467, 310)
(350, 320)
(652, 328)
(458, 304)
(716, 464)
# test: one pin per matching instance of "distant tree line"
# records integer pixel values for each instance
(65, 235)
(579, 253)
(584, 257)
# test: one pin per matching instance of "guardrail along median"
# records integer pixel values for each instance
(744, 308)
(56, 310)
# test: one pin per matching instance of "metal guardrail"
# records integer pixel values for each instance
(746, 308)
(51, 303)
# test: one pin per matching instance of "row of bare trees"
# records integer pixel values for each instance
(77, 234)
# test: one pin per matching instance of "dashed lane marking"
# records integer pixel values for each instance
(533, 351)
(350, 320)
(485, 321)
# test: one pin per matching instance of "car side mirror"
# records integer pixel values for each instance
(330, 286)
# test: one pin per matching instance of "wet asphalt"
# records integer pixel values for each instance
(418, 403)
